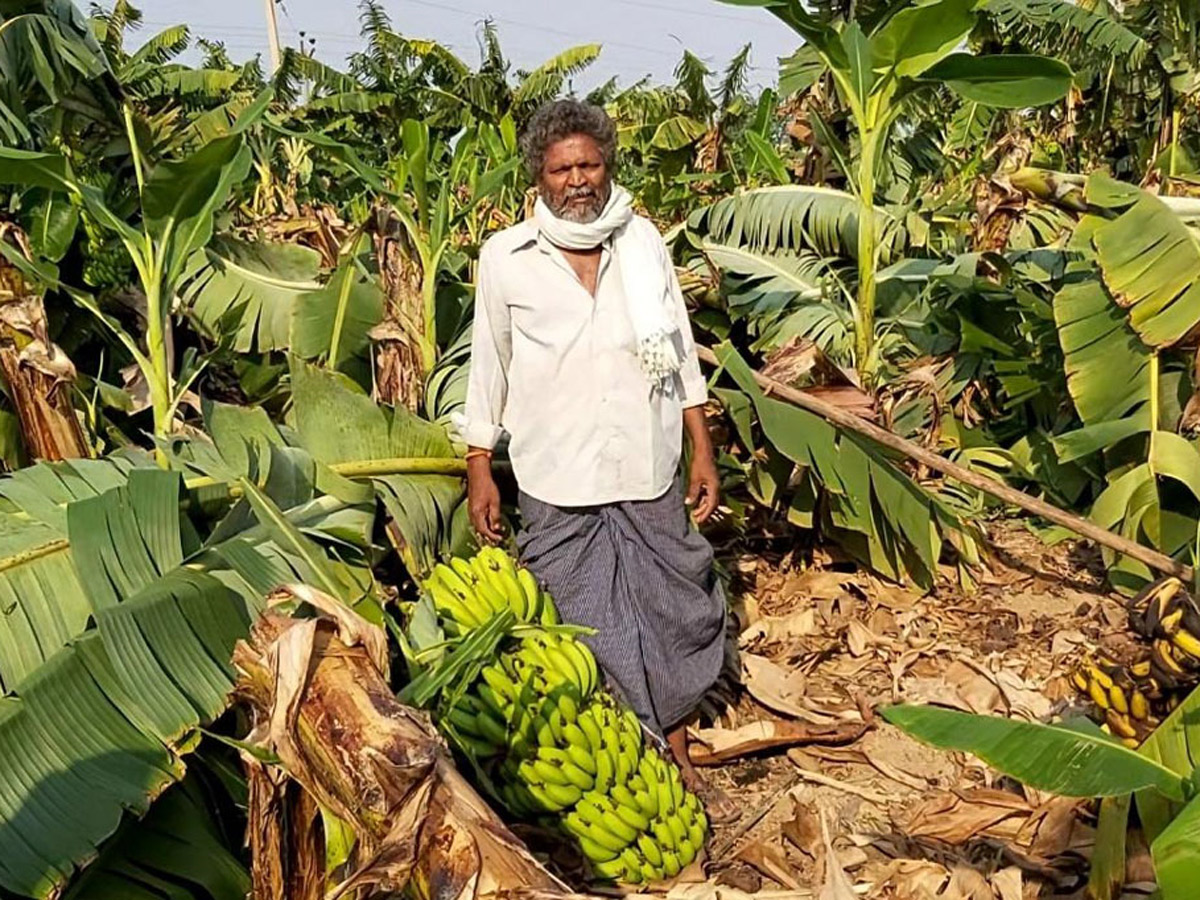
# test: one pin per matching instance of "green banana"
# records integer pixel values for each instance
(563, 794)
(663, 834)
(610, 870)
(670, 864)
(632, 816)
(586, 722)
(444, 600)
(678, 829)
(549, 612)
(593, 851)
(547, 803)
(695, 836)
(492, 597)
(583, 759)
(579, 825)
(464, 571)
(687, 853)
(495, 705)
(650, 849)
(501, 682)
(606, 769)
(533, 593)
(464, 721)
(650, 873)
(561, 759)
(647, 801)
(492, 731)
(577, 737)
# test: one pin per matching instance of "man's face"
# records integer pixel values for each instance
(574, 182)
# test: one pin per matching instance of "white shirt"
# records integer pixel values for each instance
(557, 369)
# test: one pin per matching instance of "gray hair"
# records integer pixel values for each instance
(560, 119)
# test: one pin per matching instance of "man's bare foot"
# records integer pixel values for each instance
(717, 805)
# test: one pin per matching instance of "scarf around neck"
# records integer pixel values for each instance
(647, 292)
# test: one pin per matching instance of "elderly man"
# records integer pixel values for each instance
(582, 351)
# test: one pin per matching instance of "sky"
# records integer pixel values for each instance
(638, 38)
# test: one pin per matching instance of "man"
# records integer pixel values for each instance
(582, 351)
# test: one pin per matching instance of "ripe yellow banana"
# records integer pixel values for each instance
(1120, 724)
(1188, 643)
(1139, 706)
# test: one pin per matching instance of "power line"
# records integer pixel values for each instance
(518, 24)
(638, 4)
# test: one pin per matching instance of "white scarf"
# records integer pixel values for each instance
(647, 293)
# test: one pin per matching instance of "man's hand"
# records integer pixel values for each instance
(483, 500)
(704, 487)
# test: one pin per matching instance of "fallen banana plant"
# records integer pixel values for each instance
(777, 391)
(373, 799)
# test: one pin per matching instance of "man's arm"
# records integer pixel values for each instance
(487, 391)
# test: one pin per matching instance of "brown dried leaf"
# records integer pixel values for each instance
(773, 686)
(958, 817)
(717, 745)
(978, 692)
(770, 861)
(1007, 884)
(968, 884)
(803, 829)
(780, 629)
(837, 885)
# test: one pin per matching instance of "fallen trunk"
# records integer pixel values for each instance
(321, 705)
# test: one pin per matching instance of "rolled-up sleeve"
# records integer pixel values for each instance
(491, 352)
(695, 389)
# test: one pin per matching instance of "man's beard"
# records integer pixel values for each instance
(563, 208)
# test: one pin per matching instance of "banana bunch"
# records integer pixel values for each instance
(1165, 614)
(1122, 695)
(555, 746)
(1132, 698)
(106, 262)
(467, 593)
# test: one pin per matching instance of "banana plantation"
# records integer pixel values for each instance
(943, 275)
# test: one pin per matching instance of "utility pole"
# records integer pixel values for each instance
(272, 35)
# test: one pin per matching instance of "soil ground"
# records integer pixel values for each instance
(866, 811)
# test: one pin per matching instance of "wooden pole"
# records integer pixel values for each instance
(848, 420)
(272, 36)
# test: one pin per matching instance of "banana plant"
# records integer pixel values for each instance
(883, 64)
(1077, 759)
(177, 201)
(1126, 308)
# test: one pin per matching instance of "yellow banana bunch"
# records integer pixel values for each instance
(555, 745)
(1168, 616)
(1128, 698)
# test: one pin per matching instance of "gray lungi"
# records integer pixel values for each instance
(640, 575)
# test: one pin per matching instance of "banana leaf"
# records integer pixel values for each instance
(249, 290)
(1073, 762)
(1176, 854)
(336, 422)
(1149, 260)
(103, 722)
(794, 218)
(176, 851)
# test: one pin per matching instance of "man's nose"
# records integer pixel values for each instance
(576, 178)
